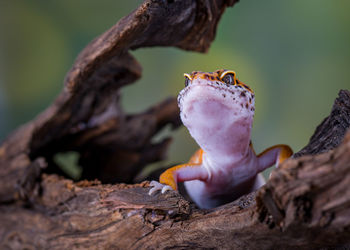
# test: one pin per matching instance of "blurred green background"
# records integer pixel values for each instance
(294, 54)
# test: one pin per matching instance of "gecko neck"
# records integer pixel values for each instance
(218, 117)
(228, 144)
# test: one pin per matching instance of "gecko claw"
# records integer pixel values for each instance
(156, 186)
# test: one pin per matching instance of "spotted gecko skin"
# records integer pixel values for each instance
(218, 111)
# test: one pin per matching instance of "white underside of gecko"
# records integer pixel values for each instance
(220, 119)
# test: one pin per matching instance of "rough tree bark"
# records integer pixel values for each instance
(305, 204)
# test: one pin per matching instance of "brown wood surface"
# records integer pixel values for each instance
(305, 204)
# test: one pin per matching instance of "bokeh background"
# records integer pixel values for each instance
(294, 54)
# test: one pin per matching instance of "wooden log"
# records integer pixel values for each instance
(305, 204)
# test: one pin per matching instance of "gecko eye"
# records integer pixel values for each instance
(228, 77)
(187, 79)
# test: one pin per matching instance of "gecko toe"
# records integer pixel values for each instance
(156, 187)
(166, 188)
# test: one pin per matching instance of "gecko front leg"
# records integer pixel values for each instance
(192, 170)
(273, 155)
(180, 173)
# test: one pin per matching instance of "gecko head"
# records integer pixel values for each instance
(213, 101)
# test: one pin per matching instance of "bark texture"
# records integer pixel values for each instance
(305, 204)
